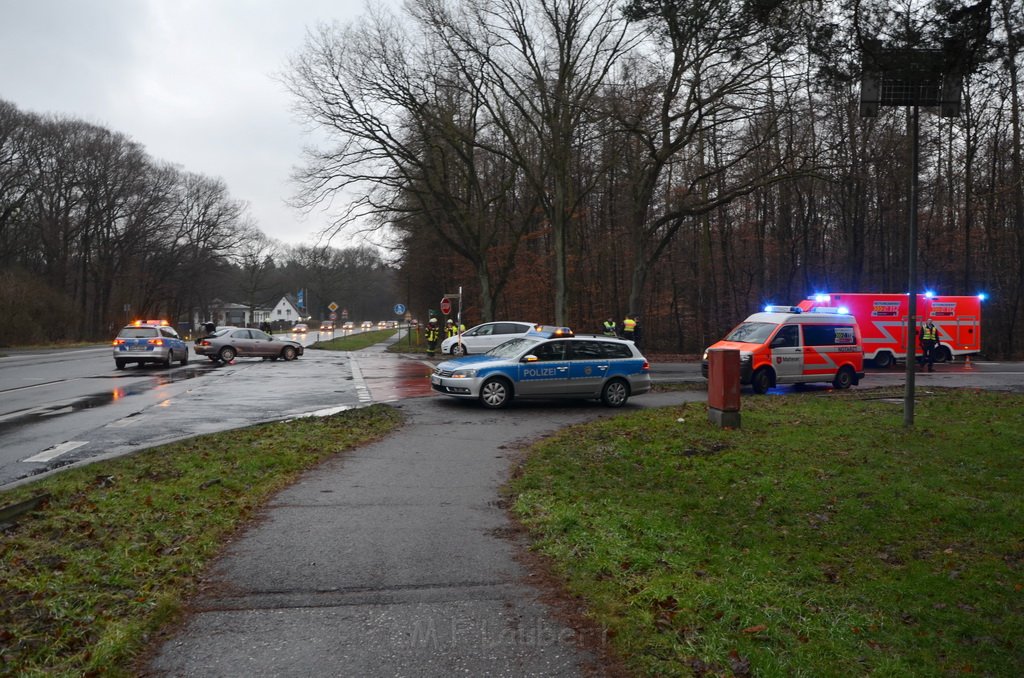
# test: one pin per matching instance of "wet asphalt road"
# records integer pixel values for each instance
(69, 407)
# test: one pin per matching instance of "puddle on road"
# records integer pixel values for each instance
(16, 420)
(406, 380)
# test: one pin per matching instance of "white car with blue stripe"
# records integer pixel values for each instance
(548, 363)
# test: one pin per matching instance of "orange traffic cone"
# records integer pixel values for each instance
(967, 362)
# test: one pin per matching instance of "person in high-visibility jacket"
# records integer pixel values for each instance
(629, 327)
(929, 340)
(451, 329)
(610, 330)
(433, 333)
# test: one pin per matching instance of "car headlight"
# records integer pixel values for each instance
(463, 374)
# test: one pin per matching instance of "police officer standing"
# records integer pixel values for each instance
(929, 340)
(629, 328)
(433, 333)
(610, 330)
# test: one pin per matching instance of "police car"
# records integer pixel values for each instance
(149, 341)
(548, 362)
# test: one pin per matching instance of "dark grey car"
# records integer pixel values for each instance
(227, 343)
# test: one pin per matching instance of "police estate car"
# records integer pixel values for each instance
(149, 341)
(548, 363)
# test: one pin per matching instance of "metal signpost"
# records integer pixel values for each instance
(911, 78)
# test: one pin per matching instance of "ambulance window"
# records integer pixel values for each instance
(751, 333)
(788, 336)
(829, 335)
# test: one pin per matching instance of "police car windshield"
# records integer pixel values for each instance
(752, 333)
(513, 347)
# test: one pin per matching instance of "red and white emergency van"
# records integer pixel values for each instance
(784, 345)
(883, 322)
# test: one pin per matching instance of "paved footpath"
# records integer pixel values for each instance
(392, 560)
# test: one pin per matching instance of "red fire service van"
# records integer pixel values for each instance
(883, 322)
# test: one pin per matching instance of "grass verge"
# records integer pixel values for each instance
(355, 342)
(820, 539)
(119, 545)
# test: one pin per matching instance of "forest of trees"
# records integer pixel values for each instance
(94, 232)
(561, 161)
(566, 160)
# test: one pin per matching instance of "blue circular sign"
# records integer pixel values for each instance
(399, 309)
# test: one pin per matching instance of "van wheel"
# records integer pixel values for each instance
(844, 378)
(884, 360)
(941, 354)
(762, 380)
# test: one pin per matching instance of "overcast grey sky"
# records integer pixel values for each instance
(191, 80)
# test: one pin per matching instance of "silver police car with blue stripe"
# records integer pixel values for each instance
(549, 362)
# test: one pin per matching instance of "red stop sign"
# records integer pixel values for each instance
(446, 306)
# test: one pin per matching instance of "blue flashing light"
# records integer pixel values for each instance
(782, 309)
(844, 311)
(928, 294)
(982, 296)
(823, 298)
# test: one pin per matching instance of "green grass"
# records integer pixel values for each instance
(355, 342)
(119, 545)
(821, 539)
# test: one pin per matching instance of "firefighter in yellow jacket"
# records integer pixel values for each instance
(433, 333)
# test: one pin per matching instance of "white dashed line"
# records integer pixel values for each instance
(56, 451)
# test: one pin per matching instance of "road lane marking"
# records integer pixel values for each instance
(357, 378)
(56, 451)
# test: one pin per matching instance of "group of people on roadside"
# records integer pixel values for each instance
(630, 328)
(433, 331)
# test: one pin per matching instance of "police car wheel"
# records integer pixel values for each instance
(762, 380)
(615, 393)
(495, 393)
(184, 358)
(120, 364)
(169, 359)
(844, 378)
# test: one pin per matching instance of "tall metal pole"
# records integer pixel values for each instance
(908, 396)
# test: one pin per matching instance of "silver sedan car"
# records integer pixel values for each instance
(227, 343)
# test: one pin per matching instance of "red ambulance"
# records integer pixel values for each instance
(883, 322)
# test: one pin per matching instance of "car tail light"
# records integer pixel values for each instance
(156, 342)
(646, 367)
(118, 342)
